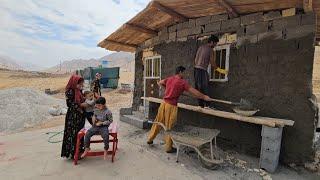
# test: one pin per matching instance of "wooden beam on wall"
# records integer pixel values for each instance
(141, 29)
(229, 8)
(307, 5)
(169, 11)
(118, 43)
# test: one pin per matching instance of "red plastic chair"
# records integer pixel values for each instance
(113, 138)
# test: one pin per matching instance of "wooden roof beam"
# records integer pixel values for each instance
(141, 29)
(307, 5)
(101, 44)
(169, 11)
(229, 8)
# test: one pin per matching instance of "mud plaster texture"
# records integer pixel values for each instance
(274, 74)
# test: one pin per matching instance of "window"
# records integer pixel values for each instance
(222, 61)
(152, 67)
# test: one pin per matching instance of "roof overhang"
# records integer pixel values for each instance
(162, 13)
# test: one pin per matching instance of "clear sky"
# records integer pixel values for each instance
(43, 32)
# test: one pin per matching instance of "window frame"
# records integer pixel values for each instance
(220, 47)
(152, 58)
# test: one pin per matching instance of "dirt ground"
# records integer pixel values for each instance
(29, 155)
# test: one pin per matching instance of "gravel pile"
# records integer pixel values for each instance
(22, 107)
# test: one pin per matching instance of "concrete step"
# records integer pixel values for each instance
(136, 120)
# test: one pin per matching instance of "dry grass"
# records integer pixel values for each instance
(11, 79)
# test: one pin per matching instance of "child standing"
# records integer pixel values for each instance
(90, 101)
(102, 118)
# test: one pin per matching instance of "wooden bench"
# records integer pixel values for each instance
(113, 138)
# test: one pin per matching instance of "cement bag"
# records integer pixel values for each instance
(55, 111)
(64, 111)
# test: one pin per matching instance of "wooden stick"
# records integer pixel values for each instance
(141, 29)
(228, 8)
(271, 122)
(169, 11)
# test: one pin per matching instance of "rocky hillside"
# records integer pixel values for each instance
(8, 63)
(12, 64)
(119, 59)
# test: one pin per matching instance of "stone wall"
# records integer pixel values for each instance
(270, 65)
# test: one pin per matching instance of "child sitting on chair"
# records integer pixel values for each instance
(90, 101)
(101, 120)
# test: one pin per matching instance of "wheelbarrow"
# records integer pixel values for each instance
(195, 138)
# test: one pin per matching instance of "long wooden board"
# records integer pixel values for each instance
(271, 122)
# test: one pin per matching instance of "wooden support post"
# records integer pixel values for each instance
(307, 5)
(141, 29)
(169, 11)
(229, 8)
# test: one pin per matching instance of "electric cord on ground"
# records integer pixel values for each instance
(54, 134)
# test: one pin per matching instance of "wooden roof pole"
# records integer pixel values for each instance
(307, 5)
(169, 11)
(117, 43)
(141, 29)
(229, 8)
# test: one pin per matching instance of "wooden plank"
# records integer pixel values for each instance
(169, 11)
(120, 43)
(229, 8)
(141, 29)
(307, 5)
(271, 122)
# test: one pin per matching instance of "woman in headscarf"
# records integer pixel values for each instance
(75, 119)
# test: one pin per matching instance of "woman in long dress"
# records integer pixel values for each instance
(75, 119)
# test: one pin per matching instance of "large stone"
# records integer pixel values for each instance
(213, 27)
(308, 19)
(172, 28)
(298, 32)
(272, 15)
(219, 17)
(183, 33)
(183, 25)
(172, 36)
(271, 35)
(251, 39)
(286, 22)
(196, 30)
(257, 28)
(203, 20)
(251, 18)
(241, 31)
(192, 23)
(230, 25)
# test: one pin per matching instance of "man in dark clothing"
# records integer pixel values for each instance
(204, 57)
(96, 86)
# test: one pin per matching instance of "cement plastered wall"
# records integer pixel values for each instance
(270, 65)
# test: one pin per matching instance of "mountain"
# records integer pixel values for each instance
(120, 59)
(8, 63)
(13, 64)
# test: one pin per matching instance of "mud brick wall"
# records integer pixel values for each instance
(270, 65)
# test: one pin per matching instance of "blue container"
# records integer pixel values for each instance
(109, 79)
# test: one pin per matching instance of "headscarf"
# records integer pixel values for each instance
(72, 84)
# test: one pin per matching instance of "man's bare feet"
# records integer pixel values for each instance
(85, 152)
(105, 154)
